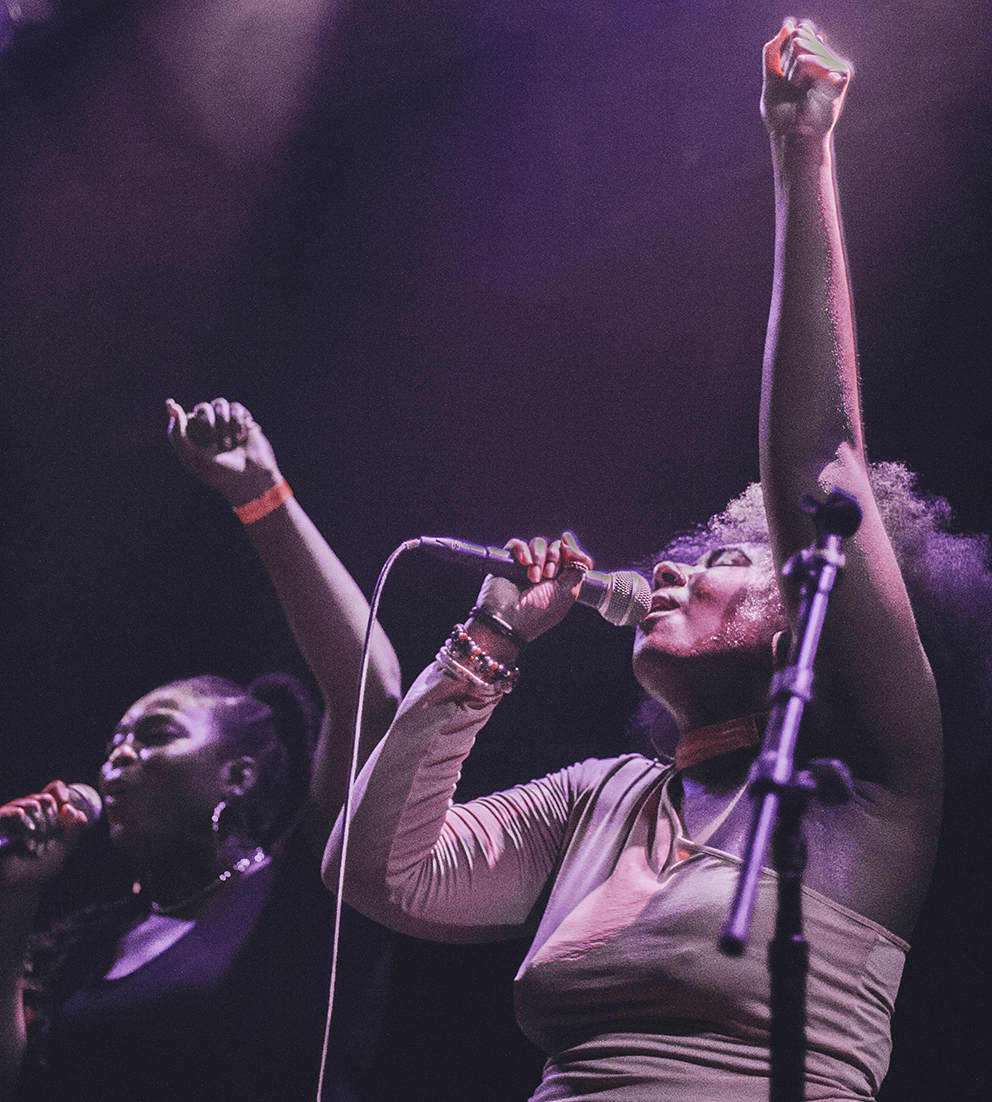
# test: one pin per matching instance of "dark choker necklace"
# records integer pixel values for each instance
(702, 743)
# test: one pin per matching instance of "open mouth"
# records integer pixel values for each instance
(663, 603)
(113, 791)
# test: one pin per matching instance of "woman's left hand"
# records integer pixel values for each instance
(220, 444)
(805, 83)
(555, 571)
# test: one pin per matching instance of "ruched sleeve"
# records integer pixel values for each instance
(420, 864)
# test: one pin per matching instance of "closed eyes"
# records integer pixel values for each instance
(727, 556)
(153, 731)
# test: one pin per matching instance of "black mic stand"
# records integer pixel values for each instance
(781, 795)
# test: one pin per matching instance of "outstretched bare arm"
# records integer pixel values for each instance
(223, 446)
(876, 704)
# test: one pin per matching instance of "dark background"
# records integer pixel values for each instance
(478, 269)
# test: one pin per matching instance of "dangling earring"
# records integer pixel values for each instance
(215, 818)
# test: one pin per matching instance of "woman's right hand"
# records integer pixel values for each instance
(220, 443)
(51, 827)
(555, 572)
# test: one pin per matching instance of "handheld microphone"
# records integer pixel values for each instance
(622, 598)
(14, 835)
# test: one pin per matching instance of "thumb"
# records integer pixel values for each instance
(177, 420)
(773, 49)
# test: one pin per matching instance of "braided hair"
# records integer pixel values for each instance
(274, 721)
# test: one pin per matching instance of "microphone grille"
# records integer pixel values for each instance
(630, 599)
(86, 799)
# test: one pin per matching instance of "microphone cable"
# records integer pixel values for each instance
(363, 672)
(628, 604)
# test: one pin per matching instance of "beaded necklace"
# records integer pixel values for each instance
(238, 868)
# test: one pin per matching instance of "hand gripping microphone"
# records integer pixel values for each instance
(623, 598)
(14, 835)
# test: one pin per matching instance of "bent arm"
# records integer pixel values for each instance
(327, 612)
(471, 872)
(876, 703)
(17, 914)
(328, 615)
(23, 875)
(422, 865)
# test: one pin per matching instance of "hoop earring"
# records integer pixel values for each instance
(215, 818)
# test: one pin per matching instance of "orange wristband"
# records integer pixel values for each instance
(264, 504)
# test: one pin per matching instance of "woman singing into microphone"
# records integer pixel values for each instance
(209, 982)
(621, 871)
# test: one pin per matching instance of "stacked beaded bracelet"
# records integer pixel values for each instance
(463, 650)
(264, 504)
